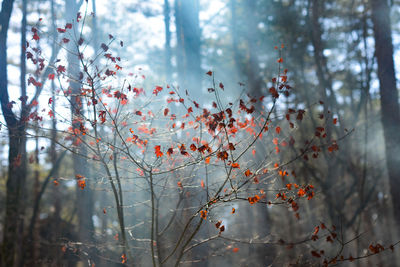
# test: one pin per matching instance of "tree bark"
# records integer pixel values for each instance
(247, 65)
(80, 164)
(167, 19)
(390, 115)
(188, 40)
(255, 82)
(16, 153)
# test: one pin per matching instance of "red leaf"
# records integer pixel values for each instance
(157, 90)
(315, 254)
(235, 165)
(253, 200)
(193, 147)
(316, 230)
(51, 76)
(231, 146)
(81, 181)
(248, 173)
(123, 258)
(158, 152)
(60, 68)
(166, 111)
(301, 192)
(203, 214)
(209, 73)
(35, 37)
(170, 151)
(32, 80)
(223, 155)
(333, 147)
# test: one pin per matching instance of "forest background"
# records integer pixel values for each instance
(199, 133)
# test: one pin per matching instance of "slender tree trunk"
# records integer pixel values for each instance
(167, 19)
(23, 48)
(234, 33)
(95, 31)
(34, 244)
(255, 82)
(246, 61)
(80, 164)
(55, 190)
(21, 243)
(389, 97)
(15, 182)
(262, 255)
(16, 154)
(315, 11)
(247, 65)
(180, 55)
(53, 141)
(188, 40)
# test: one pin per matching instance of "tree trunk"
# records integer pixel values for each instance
(389, 97)
(254, 80)
(16, 154)
(247, 65)
(21, 243)
(167, 18)
(234, 32)
(15, 183)
(188, 40)
(80, 164)
(34, 245)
